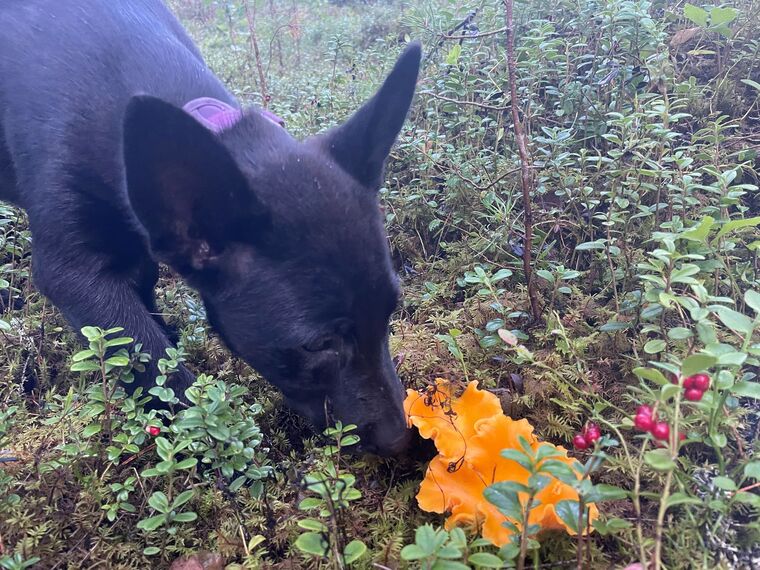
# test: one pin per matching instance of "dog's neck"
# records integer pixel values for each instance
(216, 115)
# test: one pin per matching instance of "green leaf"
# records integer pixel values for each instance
(611, 526)
(453, 56)
(91, 430)
(733, 319)
(547, 451)
(659, 460)
(747, 390)
(569, 511)
(517, 456)
(5, 326)
(752, 469)
(682, 499)
(310, 503)
(500, 275)
(537, 481)
(182, 498)
(544, 274)
(504, 499)
(163, 394)
(312, 524)
(188, 463)
(751, 83)
(654, 346)
(428, 539)
(697, 363)
(458, 538)
(604, 492)
(82, 355)
(651, 374)
(485, 560)
(164, 448)
(120, 341)
(85, 366)
(669, 391)
(699, 231)
(185, 517)
(151, 551)
(598, 244)
(752, 298)
(560, 470)
(91, 333)
(349, 440)
(696, 14)
(736, 225)
(151, 523)
(312, 543)
(684, 275)
(614, 326)
(679, 333)
(159, 501)
(413, 552)
(353, 551)
(722, 16)
(748, 499)
(724, 483)
(118, 361)
(221, 433)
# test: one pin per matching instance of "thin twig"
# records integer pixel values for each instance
(250, 16)
(526, 174)
(474, 36)
(460, 102)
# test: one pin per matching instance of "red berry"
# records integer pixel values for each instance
(643, 422)
(681, 436)
(701, 382)
(580, 442)
(592, 432)
(661, 431)
(153, 430)
(688, 383)
(693, 395)
(644, 411)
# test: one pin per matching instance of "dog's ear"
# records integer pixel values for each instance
(361, 145)
(184, 186)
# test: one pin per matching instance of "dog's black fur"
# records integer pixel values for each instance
(283, 239)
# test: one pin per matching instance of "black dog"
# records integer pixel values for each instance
(283, 239)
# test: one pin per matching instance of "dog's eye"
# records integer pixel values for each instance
(327, 342)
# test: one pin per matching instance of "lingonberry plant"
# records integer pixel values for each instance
(213, 441)
(438, 549)
(331, 493)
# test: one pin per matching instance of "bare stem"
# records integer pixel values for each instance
(250, 16)
(526, 174)
(524, 534)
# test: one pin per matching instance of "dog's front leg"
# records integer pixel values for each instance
(89, 293)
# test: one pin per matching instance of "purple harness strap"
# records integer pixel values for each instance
(216, 115)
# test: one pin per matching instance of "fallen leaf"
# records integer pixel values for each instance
(683, 36)
(508, 337)
(199, 561)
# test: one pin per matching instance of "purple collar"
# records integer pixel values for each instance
(216, 115)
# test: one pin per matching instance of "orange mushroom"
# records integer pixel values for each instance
(470, 432)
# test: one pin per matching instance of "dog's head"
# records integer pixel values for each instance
(285, 242)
